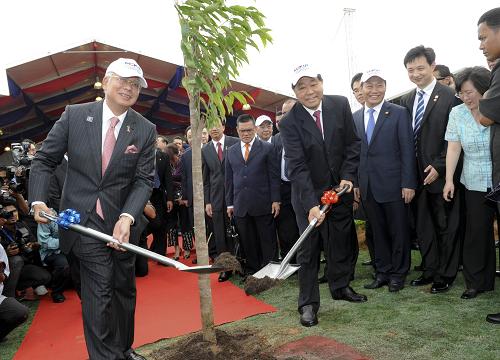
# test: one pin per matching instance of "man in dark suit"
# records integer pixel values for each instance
(387, 179)
(161, 198)
(437, 220)
(322, 151)
(488, 28)
(111, 157)
(213, 156)
(286, 223)
(253, 193)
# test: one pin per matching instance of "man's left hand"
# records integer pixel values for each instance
(275, 209)
(121, 232)
(432, 176)
(407, 194)
(344, 183)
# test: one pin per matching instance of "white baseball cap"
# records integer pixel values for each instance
(304, 70)
(127, 68)
(371, 73)
(261, 119)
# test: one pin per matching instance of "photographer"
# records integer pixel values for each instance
(23, 255)
(51, 255)
(12, 313)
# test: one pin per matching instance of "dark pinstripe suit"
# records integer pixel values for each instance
(108, 282)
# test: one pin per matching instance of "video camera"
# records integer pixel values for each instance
(20, 154)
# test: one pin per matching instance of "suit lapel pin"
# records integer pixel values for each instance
(436, 98)
(89, 119)
(387, 113)
(128, 128)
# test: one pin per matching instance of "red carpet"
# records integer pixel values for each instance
(167, 306)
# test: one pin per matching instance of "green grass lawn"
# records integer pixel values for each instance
(10, 345)
(411, 324)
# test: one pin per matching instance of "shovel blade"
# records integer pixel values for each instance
(275, 271)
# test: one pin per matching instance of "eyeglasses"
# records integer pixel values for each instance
(246, 131)
(281, 113)
(133, 83)
(440, 78)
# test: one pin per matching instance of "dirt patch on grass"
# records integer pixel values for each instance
(241, 344)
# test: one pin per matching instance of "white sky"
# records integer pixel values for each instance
(303, 31)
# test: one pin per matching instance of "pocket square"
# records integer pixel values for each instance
(131, 149)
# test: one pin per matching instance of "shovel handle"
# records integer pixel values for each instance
(109, 239)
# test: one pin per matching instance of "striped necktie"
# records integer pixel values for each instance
(419, 114)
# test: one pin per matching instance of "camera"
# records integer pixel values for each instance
(6, 199)
(22, 240)
(20, 154)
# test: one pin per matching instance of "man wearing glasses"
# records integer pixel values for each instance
(111, 157)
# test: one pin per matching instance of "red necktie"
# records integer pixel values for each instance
(107, 151)
(318, 120)
(219, 151)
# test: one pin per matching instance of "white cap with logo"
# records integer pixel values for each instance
(127, 68)
(371, 73)
(300, 71)
(261, 119)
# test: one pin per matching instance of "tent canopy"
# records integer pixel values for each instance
(42, 88)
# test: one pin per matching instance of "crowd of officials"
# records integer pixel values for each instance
(422, 171)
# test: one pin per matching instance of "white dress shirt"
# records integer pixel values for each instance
(377, 109)
(427, 95)
(320, 117)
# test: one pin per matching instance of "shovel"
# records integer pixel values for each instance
(67, 222)
(281, 271)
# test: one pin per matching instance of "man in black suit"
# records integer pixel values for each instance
(437, 220)
(387, 179)
(489, 107)
(286, 223)
(213, 159)
(253, 193)
(161, 198)
(322, 151)
(111, 157)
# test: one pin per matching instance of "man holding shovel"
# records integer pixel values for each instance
(321, 151)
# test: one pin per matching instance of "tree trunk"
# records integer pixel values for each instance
(207, 315)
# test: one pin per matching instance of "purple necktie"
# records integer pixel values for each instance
(317, 116)
(107, 151)
(219, 151)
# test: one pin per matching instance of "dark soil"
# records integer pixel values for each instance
(239, 345)
(228, 262)
(255, 285)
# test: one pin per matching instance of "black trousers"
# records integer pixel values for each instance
(61, 277)
(340, 247)
(391, 237)
(258, 239)
(479, 242)
(33, 276)
(108, 294)
(288, 231)
(12, 314)
(438, 234)
(16, 264)
(220, 223)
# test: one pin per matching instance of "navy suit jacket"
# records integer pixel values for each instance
(387, 164)
(252, 186)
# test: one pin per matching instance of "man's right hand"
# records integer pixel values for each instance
(41, 207)
(315, 212)
(230, 212)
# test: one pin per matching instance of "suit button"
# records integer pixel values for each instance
(244, 177)
(88, 211)
(100, 188)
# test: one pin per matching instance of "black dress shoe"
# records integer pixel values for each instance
(421, 281)
(225, 276)
(308, 316)
(469, 294)
(375, 284)
(493, 318)
(323, 280)
(348, 294)
(132, 355)
(497, 273)
(367, 263)
(439, 287)
(396, 285)
(58, 298)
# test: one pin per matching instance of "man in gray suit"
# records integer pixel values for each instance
(111, 157)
